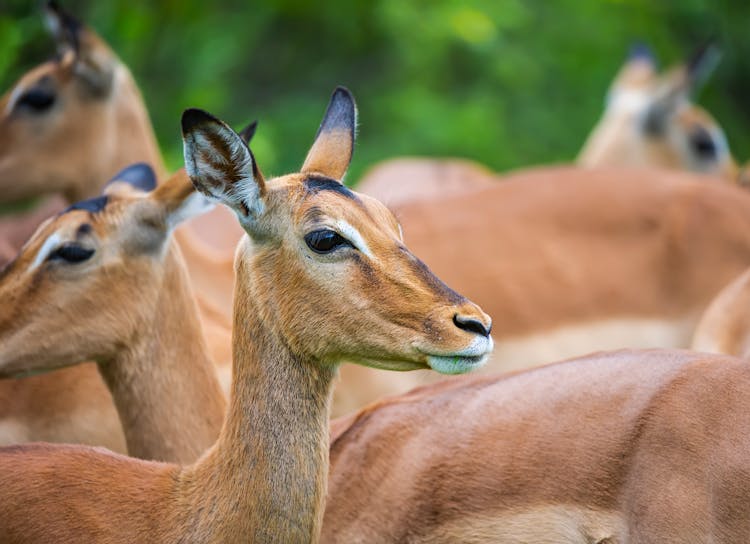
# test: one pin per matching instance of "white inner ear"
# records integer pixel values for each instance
(353, 235)
(194, 205)
(49, 245)
(244, 193)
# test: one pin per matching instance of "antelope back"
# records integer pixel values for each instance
(650, 120)
(89, 278)
(73, 121)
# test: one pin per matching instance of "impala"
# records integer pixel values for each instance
(567, 264)
(71, 123)
(649, 121)
(323, 276)
(103, 281)
(68, 126)
(630, 446)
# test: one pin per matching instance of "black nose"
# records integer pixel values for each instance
(469, 324)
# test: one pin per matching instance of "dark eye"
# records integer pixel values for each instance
(71, 253)
(703, 144)
(326, 241)
(36, 100)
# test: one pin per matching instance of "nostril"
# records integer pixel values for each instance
(470, 324)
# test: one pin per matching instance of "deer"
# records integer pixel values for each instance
(615, 447)
(322, 276)
(649, 121)
(103, 281)
(570, 261)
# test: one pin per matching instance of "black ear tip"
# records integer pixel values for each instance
(53, 6)
(342, 94)
(140, 175)
(248, 132)
(193, 118)
(641, 51)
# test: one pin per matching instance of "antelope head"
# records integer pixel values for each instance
(87, 281)
(650, 119)
(65, 123)
(326, 268)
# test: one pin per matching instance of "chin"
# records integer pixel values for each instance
(456, 364)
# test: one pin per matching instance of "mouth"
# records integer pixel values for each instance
(466, 360)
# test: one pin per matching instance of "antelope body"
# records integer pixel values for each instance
(85, 109)
(315, 285)
(570, 261)
(649, 122)
(103, 281)
(630, 446)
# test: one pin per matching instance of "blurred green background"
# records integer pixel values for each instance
(508, 82)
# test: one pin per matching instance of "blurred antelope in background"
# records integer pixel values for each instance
(650, 120)
(103, 281)
(631, 446)
(85, 109)
(568, 261)
(323, 276)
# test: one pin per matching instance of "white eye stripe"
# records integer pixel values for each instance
(49, 245)
(353, 235)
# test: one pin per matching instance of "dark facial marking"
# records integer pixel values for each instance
(315, 184)
(422, 271)
(83, 230)
(92, 205)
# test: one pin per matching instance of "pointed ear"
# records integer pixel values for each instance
(248, 132)
(180, 200)
(221, 166)
(139, 175)
(701, 64)
(93, 62)
(332, 150)
(637, 73)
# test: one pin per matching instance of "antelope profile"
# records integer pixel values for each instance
(68, 126)
(103, 281)
(322, 276)
(629, 446)
(569, 261)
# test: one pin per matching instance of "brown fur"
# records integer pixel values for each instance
(725, 325)
(554, 248)
(296, 316)
(620, 139)
(631, 446)
(91, 137)
(131, 308)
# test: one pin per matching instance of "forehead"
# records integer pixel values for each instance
(321, 197)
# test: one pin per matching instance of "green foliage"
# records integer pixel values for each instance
(506, 82)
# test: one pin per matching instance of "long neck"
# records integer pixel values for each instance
(265, 480)
(164, 385)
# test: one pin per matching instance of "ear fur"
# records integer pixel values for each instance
(221, 166)
(139, 175)
(93, 62)
(333, 147)
(248, 132)
(180, 200)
